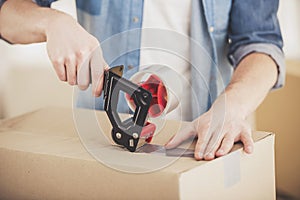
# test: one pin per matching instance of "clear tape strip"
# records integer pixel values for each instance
(232, 169)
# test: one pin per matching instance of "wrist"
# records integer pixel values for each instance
(44, 22)
(236, 101)
(54, 21)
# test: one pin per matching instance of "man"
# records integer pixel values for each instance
(247, 31)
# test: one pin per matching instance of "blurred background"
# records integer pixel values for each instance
(28, 82)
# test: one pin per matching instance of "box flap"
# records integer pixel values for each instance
(54, 131)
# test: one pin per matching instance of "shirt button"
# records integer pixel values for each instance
(211, 29)
(135, 19)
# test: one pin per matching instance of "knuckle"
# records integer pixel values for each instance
(52, 57)
(79, 53)
(57, 62)
(228, 137)
(205, 127)
(69, 59)
(226, 146)
(200, 147)
(231, 126)
(81, 56)
(93, 44)
(95, 41)
(245, 135)
(213, 146)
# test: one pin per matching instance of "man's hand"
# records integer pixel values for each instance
(216, 130)
(74, 53)
(225, 122)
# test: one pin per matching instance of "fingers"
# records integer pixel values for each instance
(214, 141)
(213, 145)
(97, 78)
(60, 70)
(97, 65)
(80, 68)
(221, 142)
(226, 145)
(203, 139)
(73, 59)
(247, 141)
(180, 137)
(229, 139)
(83, 71)
(71, 69)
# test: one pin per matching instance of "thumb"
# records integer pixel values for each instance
(97, 65)
(180, 137)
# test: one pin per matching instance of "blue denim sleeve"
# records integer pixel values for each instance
(254, 27)
(1, 2)
(269, 49)
(44, 3)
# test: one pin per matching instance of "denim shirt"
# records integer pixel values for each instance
(222, 33)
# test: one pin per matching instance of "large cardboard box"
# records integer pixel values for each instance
(43, 157)
(280, 113)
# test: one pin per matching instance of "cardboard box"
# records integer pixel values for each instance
(280, 113)
(42, 157)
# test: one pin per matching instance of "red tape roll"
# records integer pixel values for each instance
(159, 95)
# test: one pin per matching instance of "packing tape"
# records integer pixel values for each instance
(232, 169)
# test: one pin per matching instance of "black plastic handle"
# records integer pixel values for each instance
(126, 133)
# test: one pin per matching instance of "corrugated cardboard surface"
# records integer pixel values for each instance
(280, 113)
(42, 157)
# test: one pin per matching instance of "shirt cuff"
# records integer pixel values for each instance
(269, 49)
(1, 3)
(44, 3)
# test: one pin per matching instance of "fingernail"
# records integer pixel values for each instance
(169, 143)
(220, 152)
(249, 149)
(209, 155)
(200, 155)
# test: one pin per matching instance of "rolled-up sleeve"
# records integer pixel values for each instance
(44, 3)
(254, 27)
(1, 3)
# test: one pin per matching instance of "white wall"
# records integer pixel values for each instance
(289, 16)
(27, 80)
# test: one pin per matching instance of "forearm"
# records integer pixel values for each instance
(252, 80)
(23, 22)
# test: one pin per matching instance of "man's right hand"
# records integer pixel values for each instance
(75, 54)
